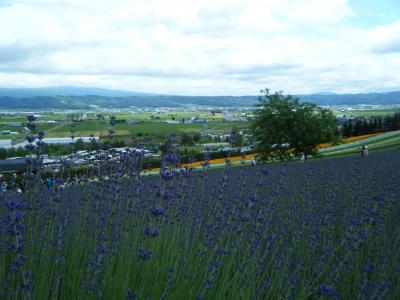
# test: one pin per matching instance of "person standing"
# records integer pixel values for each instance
(362, 152)
(3, 185)
(49, 183)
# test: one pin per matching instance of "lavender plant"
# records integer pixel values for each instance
(327, 229)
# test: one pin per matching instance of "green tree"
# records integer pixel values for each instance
(165, 147)
(196, 137)
(80, 144)
(186, 140)
(282, 125)
(236, 138)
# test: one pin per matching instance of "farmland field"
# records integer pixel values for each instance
(325, 228)
(367, 112)
(101, 128)
(152, 122)
(385, 140)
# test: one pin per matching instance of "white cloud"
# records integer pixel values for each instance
(386, 38)
(195, 47)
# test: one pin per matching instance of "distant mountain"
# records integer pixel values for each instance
(67, 91)
(388, 98)
(86, 98)
(91, 101)
(324, 93)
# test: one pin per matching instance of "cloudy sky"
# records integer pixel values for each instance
(205, 47)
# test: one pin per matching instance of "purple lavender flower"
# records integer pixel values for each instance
(253, 197)
(144, 254)
(155, 232)
(26, 285)
(215, 265)
(147, 229)
(185, 172)
(31, 118)
(102, 248)
(167, 174)
(40, 144)
(156, 211)
(40, 135)
(328, 291)
(30, 138)
(369, 268)
(30, 147)
(171, 158)
(130, 295)
(265, 171)
(14, 203)
(15, 228)
(209, 283)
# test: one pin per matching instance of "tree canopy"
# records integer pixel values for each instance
(283, 125)
(187, 140)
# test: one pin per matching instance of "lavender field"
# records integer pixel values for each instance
(326, 229)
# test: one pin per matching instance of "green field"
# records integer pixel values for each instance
(367, 112)
(386, 140)
(152, 123)
(146, 123)
(100, 128)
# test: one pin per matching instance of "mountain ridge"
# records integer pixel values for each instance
(119, 99)
(68, 91)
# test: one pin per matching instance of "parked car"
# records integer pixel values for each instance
(79, 161)
(48, 161)
(91, 158)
